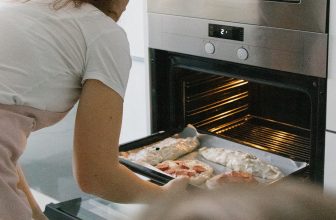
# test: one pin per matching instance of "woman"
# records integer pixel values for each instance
(52, 54)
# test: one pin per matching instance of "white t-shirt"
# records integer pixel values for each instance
(46, 54)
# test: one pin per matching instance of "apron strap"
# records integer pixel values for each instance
(42, 118)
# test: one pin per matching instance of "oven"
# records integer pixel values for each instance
(252, 72)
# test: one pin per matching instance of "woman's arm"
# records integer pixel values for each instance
(96, 143)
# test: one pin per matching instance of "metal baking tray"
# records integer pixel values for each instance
(288, 166)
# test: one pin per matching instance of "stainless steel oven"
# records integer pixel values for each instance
(250, 71)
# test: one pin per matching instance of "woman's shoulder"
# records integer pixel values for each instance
(94, 23)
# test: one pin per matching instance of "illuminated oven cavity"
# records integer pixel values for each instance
(265, 117)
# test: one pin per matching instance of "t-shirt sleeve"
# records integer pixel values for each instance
(108, 60)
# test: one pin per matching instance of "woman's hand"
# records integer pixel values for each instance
(176, 186)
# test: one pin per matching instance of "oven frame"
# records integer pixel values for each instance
(163, 62)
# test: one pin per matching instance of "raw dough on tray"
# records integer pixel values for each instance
(167, 149)
(240, 161)
(233, 177)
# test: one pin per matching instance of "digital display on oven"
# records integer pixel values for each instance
(226, 32)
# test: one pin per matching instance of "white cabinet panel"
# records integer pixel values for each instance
(332, 41)
(330, 163)
(331, 105)
(331, 92)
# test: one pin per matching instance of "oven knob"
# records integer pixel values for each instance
(209, 48)
(242, 54)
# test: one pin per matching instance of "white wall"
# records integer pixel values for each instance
(133, 22)
(136, 122)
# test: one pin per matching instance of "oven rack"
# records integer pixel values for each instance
(268, 135)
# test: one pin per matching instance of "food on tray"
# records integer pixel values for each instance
(167, 149)
(197, 171)
(230, 177)
(240, 161)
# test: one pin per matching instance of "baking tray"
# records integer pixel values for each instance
(288, 166)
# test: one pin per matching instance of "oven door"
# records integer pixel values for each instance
(306, 15)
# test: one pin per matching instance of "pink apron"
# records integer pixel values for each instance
(16, 123)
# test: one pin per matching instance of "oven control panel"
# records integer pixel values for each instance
(273, 48)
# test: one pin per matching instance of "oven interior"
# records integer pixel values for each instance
(261, 116)
(271, 111)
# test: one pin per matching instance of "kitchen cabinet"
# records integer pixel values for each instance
(331, 104)
(331, 87)
(330, 166)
